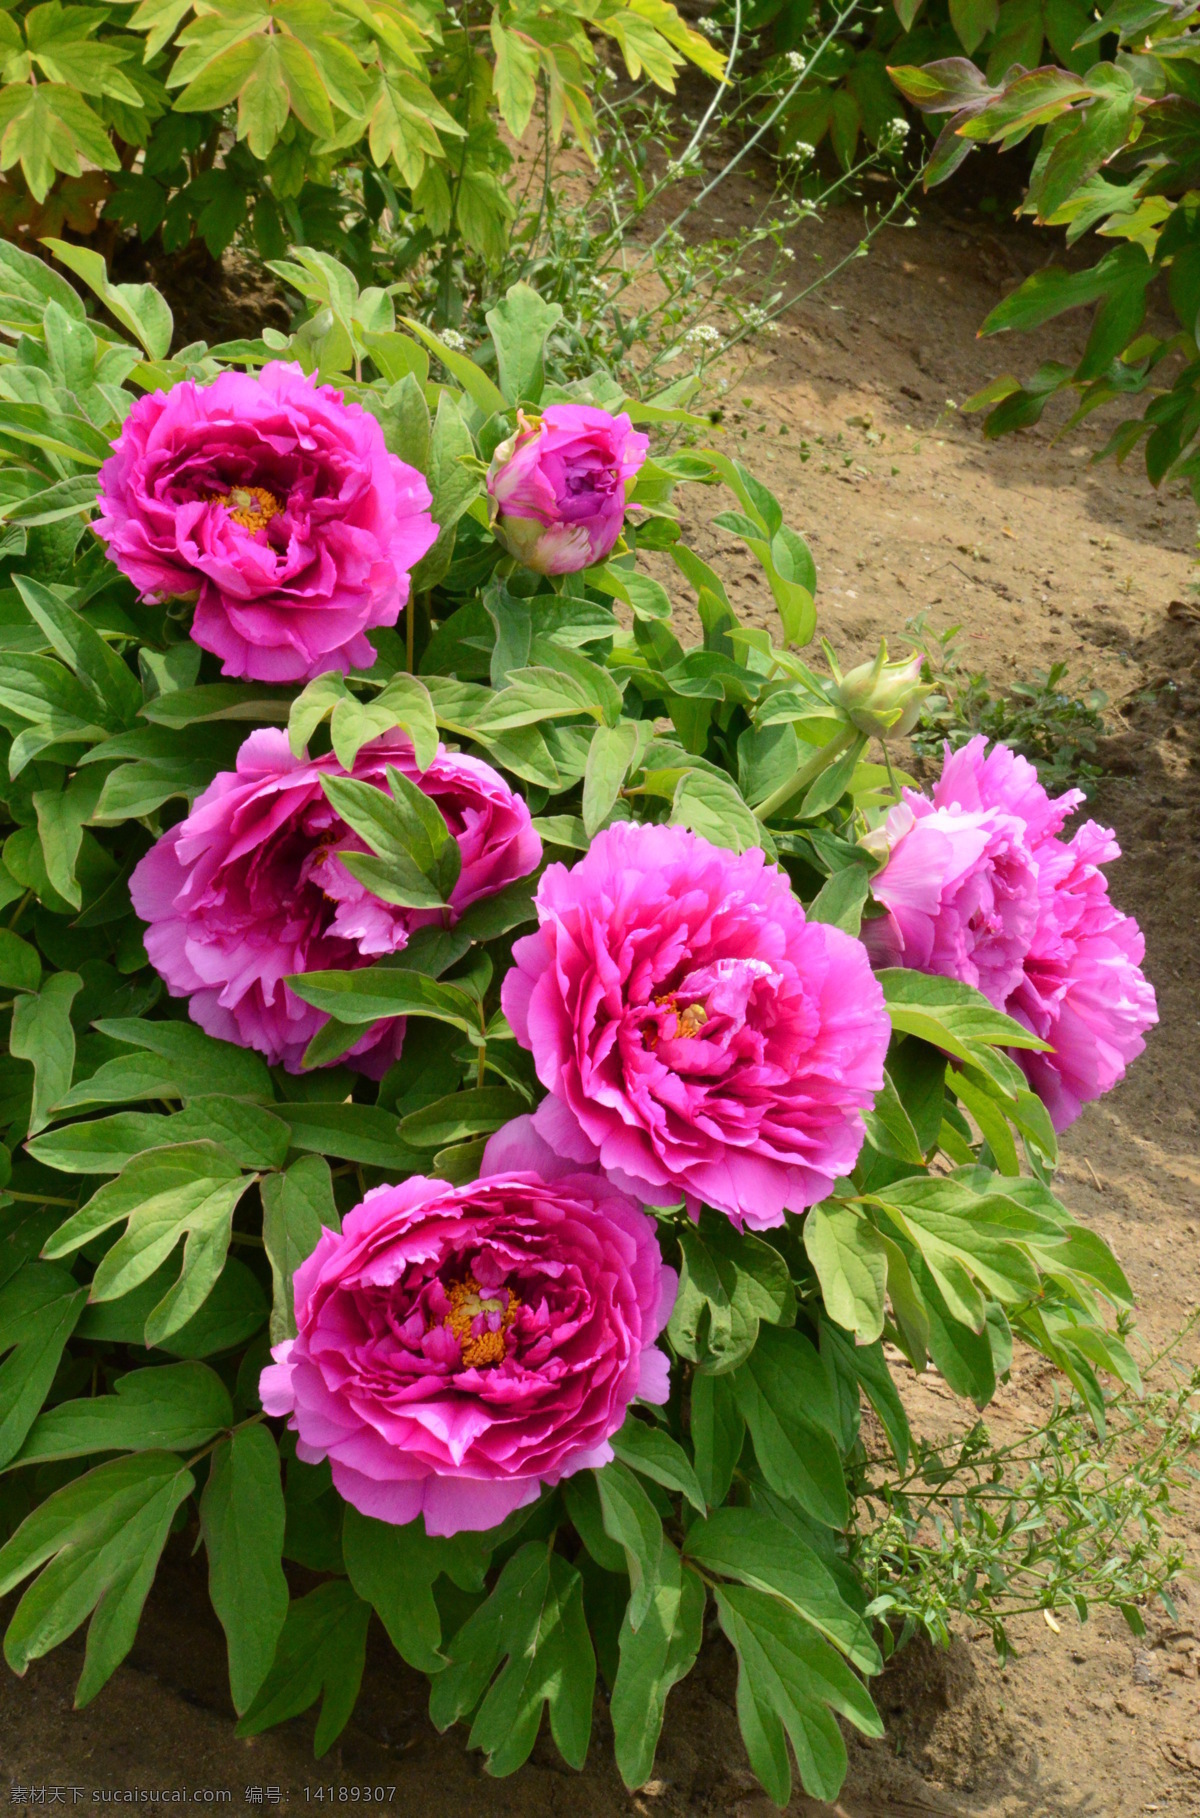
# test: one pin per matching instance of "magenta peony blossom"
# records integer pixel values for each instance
(980, 886)
(249, 888)
(558, 486)
(278, 507)
(459, 1347)
(961, 891)
(697, 1035)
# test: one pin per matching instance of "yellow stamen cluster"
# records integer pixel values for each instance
(467, 1302)
(251, 506)
(688, 1022)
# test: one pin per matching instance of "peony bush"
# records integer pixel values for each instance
(496, 1050)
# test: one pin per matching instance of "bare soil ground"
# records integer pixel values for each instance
(1039, 556)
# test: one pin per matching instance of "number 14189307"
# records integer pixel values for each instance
(349, 1795)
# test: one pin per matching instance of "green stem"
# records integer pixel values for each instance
(807, 773)
(254, 1421)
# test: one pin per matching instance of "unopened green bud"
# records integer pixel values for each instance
(883, 699)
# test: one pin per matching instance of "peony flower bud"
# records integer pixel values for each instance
(557, 487)
(880, 698)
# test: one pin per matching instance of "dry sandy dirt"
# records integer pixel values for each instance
(1038, 555)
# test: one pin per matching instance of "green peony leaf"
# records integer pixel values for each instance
(241, 1523)
(137, 307)
(533, 1622)
(251, 1136)
(174, 1060)
(521, 322)
(378, 991)
(98, 1541)
(173, 1407)
(321, 1654)
(611, 754)
(39, 1309)
(789, 1684)
(187, 1193)
(851, 1264)
(653, 1657)
(395, 1569)
(296, 1206)
(728, 1282)
(653, 1453)
(757, 1549)
(42, 1034)
(718, 1432)
(631, 1519)
(476, 1112)
(786, 1400)
(234, 1312)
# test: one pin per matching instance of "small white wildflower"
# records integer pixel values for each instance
(703, 335)
(894, 134)
(707, 27)
(797, 63)
(453, 340)
(787, 252)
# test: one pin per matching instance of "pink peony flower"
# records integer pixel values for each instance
(980, 886)
(558, 486)
(961, 891)
(278, 507)
(459, 1347)
(249, 888)
(696, 1034)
